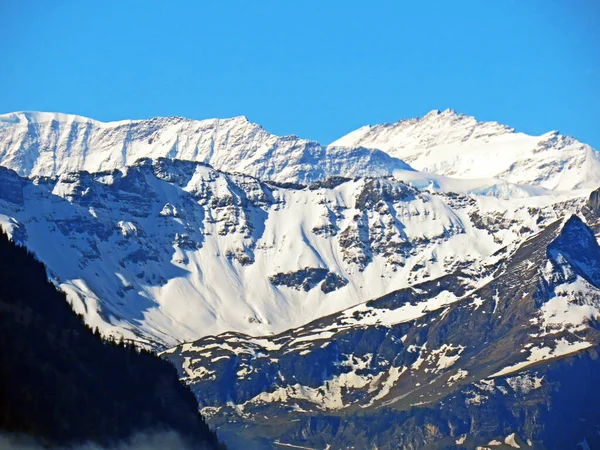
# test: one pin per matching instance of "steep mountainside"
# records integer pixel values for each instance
(172, 250)
(449, 362)
(63, 385)
(451, 144)
(52, 144)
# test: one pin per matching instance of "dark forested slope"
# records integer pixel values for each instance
(62, 384)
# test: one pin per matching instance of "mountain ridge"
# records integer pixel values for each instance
(52, 144)
(35, 143)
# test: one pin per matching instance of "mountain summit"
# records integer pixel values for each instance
(455, 145)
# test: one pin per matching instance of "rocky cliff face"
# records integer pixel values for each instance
(472, 360)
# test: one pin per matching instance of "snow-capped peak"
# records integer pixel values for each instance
(435, 128)
(456, 145)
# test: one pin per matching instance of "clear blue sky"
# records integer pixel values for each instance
(317, 69)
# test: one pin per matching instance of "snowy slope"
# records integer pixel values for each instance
(33, 143)
(174, 250)
(451, 144)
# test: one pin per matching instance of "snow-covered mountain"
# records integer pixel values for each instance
(49, 144)
(458, 235)
(451, 144)
(172, 250)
